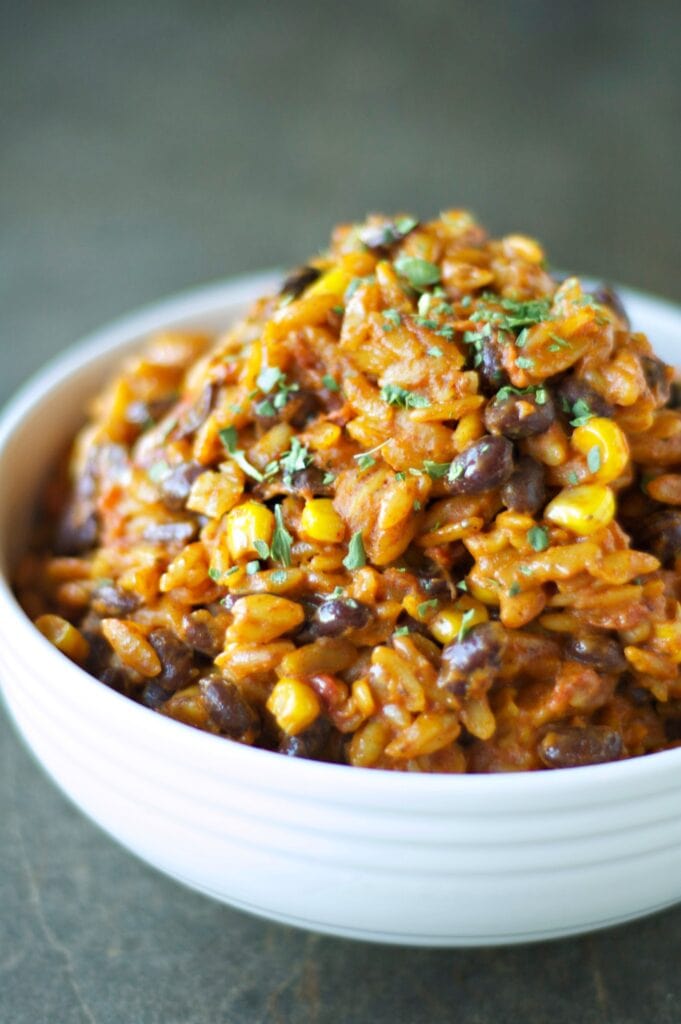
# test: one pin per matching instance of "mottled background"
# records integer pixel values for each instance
(147, 147)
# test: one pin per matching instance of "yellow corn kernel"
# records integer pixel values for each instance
(64, 636)
(483, 588)
(583, 510)
(446, 624)
(333, 282)
(605, 447)
(323, 435)
(259, 618)
(293, 704)
(215, 494)
(247, 524)
(321, 522)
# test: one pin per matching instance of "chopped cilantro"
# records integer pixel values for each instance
(215, 574)
(523, 363)
(279, 576)
(364, 461)
(337, 592)
(538, 537)
(252, 567)
(356, 556)
(295, 459)
(581, 412)
(436, 470)
(262, 547)
(419, 273)
(417, 505)
(395, 395)
(400, 476)
(462, 585)
(436, 352)
(265, 408)
(466, 624)
(401, 631)
(268, 378)
(427, 606)
(228, 436)
(356, 283)
(594, 459)
(330, 383)
(338, 310)
(280, 548)
(328, 478)
(573, 478)
(514, 590)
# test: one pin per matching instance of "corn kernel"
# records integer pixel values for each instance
(294, 705)
(583, 510)
(605, 447)
(323, 435)
(333, 282)
(246, 524)
(446, 624)
(321, 522)
(64, 636)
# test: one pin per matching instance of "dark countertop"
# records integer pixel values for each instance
(147, 148)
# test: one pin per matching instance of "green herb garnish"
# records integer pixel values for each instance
(466, 624)
(594, 459)
(356, 556)
(228, 436)
(538, 537)
(280, 548)
(330, 383)
(419, 273)
(395, 395)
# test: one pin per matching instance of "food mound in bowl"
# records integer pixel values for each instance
(418, 511)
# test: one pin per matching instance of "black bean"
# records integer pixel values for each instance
(489, 359)
(658, 377)
(227, 708)
(518, 416)
(77, 531)
(153, 695)
(302, 407)
(308, 744)
(486, 465)
(607, 296)
(201, 635)
(573, 747)
(177, 661)
(175, 487)
(171, 533)
(199, 412)
(143, 413)
(674, 401)
(383, 236)
(108, 600)
(526, 490)
(601, 652)
(661, 535)
(298, 280)
(572, 390)
(339, 615)
(480, 649)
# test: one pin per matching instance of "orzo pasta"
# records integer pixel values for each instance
(420, 511)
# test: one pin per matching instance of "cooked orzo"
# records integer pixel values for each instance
(420, 511)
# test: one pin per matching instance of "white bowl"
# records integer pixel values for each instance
(428, 860)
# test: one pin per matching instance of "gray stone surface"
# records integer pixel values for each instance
(149, 147)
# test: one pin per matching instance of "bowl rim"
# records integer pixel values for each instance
(264, 766)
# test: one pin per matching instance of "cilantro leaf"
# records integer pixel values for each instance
(419, 273)
(395, 395)
(280, 548)
(356, 556)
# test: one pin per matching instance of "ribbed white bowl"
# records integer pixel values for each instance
(430, 860)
